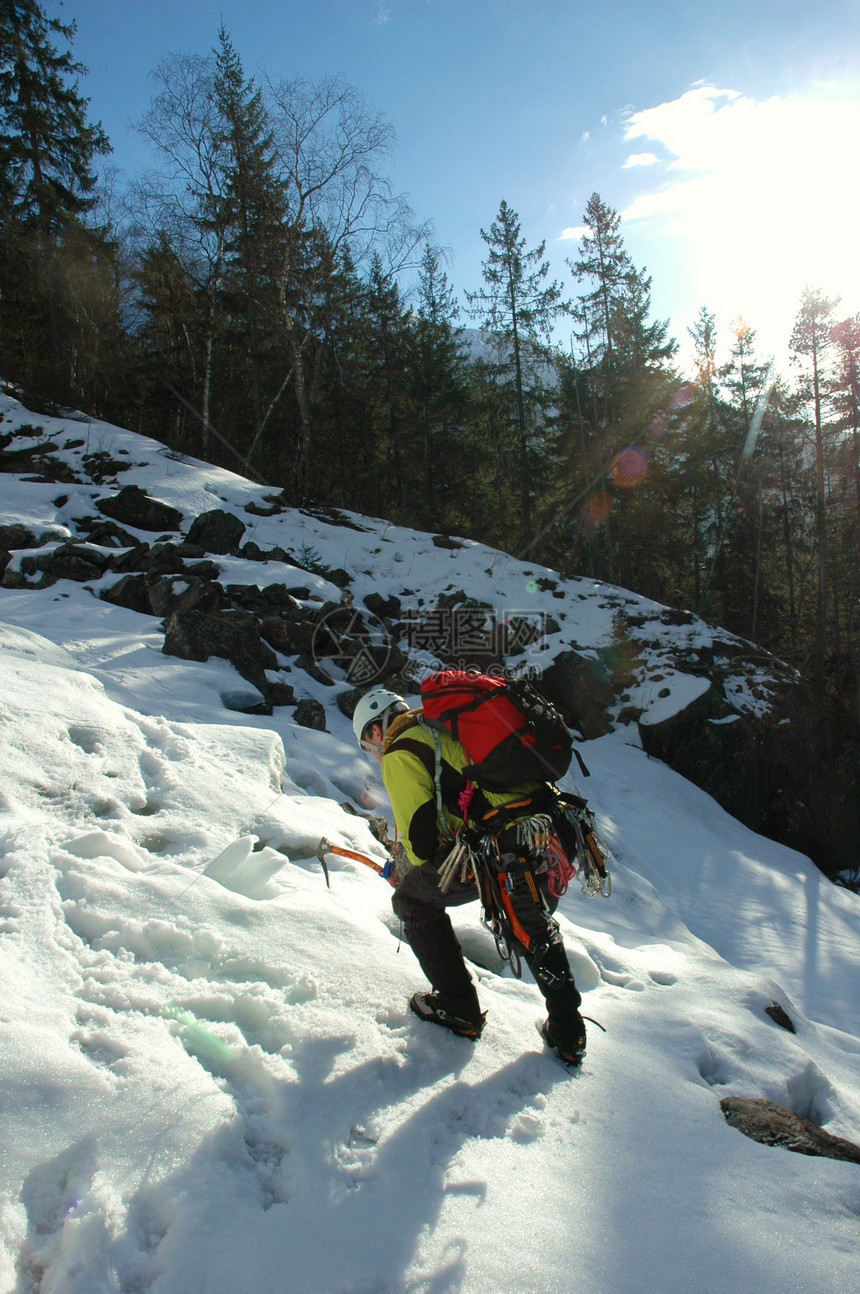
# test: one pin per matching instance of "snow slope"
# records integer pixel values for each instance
(210, 1079)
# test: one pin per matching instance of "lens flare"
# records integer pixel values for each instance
(685, 395)
(658, 428)
(596, 510)
(629, 468)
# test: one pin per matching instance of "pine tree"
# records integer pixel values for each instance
(51, 262)
(517, 309)
(255, 217)
(621, 384)
(811, 342)
(168, 341)
(618, 338)
(440, 391)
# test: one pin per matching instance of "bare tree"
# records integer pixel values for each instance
(331, 146)
(185, 196)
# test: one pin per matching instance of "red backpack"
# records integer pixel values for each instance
(511, 733)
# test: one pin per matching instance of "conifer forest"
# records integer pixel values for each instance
(262, 298)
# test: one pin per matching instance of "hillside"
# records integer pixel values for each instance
(210, 1078)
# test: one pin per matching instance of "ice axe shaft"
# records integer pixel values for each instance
(326, 847)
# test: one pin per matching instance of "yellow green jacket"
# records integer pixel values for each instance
(409, 774)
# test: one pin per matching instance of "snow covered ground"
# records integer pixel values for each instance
(209, 1079)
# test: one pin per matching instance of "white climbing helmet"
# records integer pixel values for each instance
(373, 707)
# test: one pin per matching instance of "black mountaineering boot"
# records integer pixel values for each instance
(431, 1007)
(570, 1048)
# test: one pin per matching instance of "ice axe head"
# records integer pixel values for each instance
(323, 848)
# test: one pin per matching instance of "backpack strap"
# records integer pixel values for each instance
(437, 780)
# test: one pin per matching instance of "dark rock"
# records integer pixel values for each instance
(16, 536)
(130, 592)
(5, 559)
(383, 608)
(780, 1016)
(252, 552)
(204, 570)
(246, 596)
(338, 577)
(166, 596)
(257, 509)
(445, 541)
(216, 531)
(13, 578)
(347, 701)
(310, 714)
(100, 466)
(460, 598)
(106, 533)
(279, 598)
(774, 1125)
(339, 618)
(134, 560)
(581, 688)
(232, 636)
(281, 693)
(311, 666)
(246, 703)
(164, 559)
(714, 747)
(73, 562)
(287, 636)
(132, 506)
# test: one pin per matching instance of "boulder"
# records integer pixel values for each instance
(132, 561)
(310, 714)
(281, 693)
(246, 703)
(216, 531)
(774, 1125)
(716, 748)
(132, 506)
(168, 594)
(288, 636)
(129, 592)
(16, 536)
(383, 608)
(582, 689)
(106, 533)
(233, 636)
(73, 562)
(338, 577)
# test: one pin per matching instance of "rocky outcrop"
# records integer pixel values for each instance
(581, 688)
(233, 636)
(774, 1125)
(217, 531)
(132, 506)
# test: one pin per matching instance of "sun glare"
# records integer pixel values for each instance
(753, 200)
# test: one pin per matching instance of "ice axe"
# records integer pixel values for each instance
(326, 847)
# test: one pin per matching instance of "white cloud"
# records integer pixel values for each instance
(641, 159)
(573, 232)
(758, 198)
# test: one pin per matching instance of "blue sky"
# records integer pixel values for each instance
(725, 134)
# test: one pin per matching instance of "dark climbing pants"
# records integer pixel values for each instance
(427, 927)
